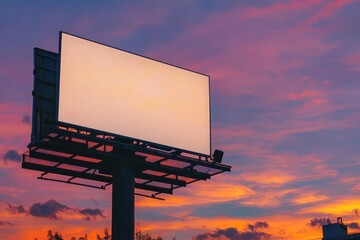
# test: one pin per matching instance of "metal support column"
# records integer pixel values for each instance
(123, 205)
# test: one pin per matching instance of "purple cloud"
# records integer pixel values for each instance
(15, 209)
(354, 225)
(26, 119)
(317, 222)
(257, 225)
(50, 209)
(53, 209)
(91, 213)
(251, 232)
(12, 155)
(4, 223)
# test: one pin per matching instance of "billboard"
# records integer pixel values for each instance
(111, 90)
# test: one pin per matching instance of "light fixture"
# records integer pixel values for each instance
(218, 155)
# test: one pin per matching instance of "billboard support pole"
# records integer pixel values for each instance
(123, 200)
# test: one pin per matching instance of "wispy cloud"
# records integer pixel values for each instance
(15, 209)
(353, 61)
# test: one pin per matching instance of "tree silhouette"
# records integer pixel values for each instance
(138, 236)
(107, 236)
(56, 236)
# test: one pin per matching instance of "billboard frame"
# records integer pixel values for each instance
(76, 155)
(45, 127)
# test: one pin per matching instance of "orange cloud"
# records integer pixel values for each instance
(272, 177)
(342, 206)
(280, 226)
(201, 193)
(308, 198)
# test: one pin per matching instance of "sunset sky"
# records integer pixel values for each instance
(285, 102)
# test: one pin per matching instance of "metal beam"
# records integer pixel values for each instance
(66, 148)
(80, 163)
(94, 177)
(192, 161)
(66, 172)
(161, 179)
(153, 188)
(55, 158)
(176, 171)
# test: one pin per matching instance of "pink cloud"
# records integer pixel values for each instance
(353, 61)
(280, 8)
(328, 9)
(12, 125)
(310, 93)
(251, 59)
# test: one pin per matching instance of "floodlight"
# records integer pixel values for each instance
(218, 155)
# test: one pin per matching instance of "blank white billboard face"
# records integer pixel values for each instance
(111, 90)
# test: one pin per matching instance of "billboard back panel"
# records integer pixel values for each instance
(115, 91)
